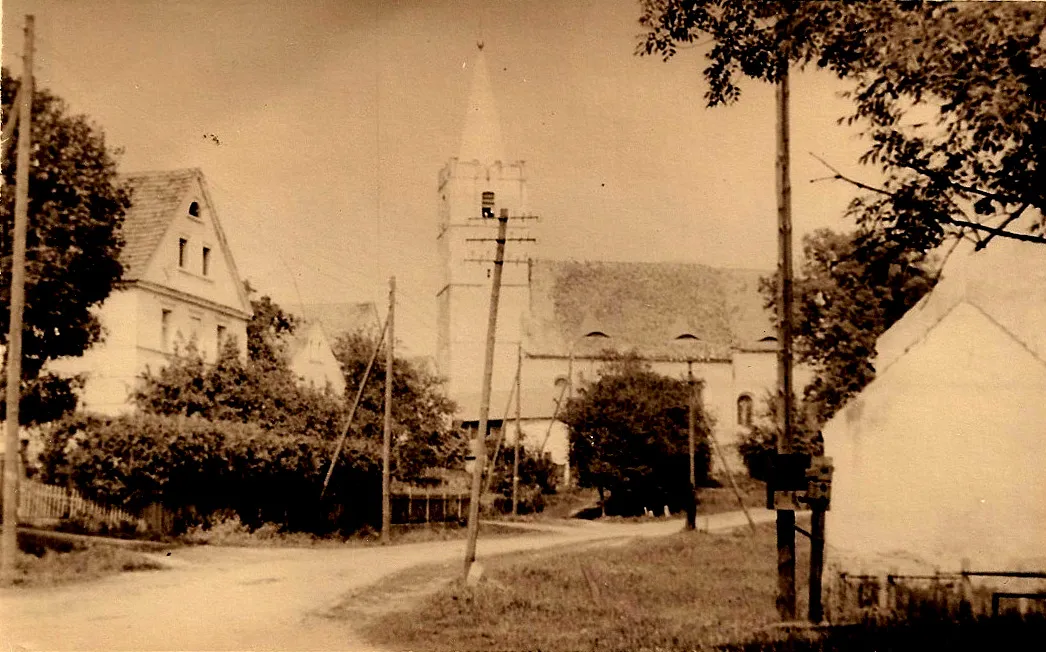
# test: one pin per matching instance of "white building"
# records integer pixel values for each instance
(179, 285)
(939, 461)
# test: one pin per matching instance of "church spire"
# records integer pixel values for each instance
(481, 137)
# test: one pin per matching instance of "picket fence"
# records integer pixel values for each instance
(42, 504)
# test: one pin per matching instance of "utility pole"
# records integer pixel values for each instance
(386, 439)
(785, 517)
(12, 466)
(484, 403)
(519, 431)
(691, 504)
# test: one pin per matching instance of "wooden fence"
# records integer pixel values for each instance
(429, 506)
(42, 505)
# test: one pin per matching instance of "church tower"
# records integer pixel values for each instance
(474, 188)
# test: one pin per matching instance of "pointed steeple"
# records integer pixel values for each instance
(481, 137)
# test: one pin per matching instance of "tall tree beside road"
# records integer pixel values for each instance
(628, 435)
(76, 209)
(849, 290)
(951, 97)
(421, 434)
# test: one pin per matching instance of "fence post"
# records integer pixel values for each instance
(410, 504)
(427, 518)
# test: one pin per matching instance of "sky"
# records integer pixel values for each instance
(321, 127)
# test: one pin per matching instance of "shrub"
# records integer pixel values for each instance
(198, 468)
(537, 478)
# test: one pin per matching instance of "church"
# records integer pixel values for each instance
(557, 319)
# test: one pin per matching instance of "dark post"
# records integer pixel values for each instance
(816, 610)
(691, 501)
(785, 517)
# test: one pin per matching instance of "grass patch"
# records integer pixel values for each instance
(231, 532)
(715, 500)
(686, 591)
(87, 563)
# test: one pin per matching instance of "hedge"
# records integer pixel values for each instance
(199, 469)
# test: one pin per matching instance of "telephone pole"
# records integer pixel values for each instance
(12, 465)
(484, 404)
(386, 439)
(785, 517)
(519, 431)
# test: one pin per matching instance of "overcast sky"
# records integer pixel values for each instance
(332, 119)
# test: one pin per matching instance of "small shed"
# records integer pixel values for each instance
(941, 460)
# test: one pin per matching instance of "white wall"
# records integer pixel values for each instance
(941, 458)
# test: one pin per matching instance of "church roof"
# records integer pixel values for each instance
(155, 199)
(481, 137)
(646, 306)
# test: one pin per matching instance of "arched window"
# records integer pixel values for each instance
(744, 410)
(194, 209)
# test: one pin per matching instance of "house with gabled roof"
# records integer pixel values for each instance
(180, 286)
(939, 460)
(312, 360)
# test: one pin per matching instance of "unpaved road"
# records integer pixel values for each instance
(256, 598)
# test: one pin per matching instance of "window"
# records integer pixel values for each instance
(165, 330)
(206, 261)
(220, 337)
(194, 209)
(182, 244)
(744, 410)
(488, 204)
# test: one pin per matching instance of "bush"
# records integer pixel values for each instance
(537, 478)
(198, 468)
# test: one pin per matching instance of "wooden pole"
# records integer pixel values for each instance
(519, 431)
(691, 502)
(386, 439)
(484, 403)
(355, 405)
(785, 518)
(816, 607)
(12, 467)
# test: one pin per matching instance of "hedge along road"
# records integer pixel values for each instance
(214, 598)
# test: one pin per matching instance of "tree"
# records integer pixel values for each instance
(629, 435)
(849, 290)
(422, 438)
(975, 71)
(267, 330)
(261, 389)
(76, 210)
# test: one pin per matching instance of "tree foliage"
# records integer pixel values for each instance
(951, 97)
(629, 435)
(261, 389)
(76, 210)
(422, 438)
(850, 288)
(244, 391)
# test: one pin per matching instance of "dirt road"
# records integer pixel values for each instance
(254, 598)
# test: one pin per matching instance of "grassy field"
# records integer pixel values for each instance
(686, 591)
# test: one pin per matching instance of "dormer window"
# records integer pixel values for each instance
(206, 263)
(194, 209)
(182, 246)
